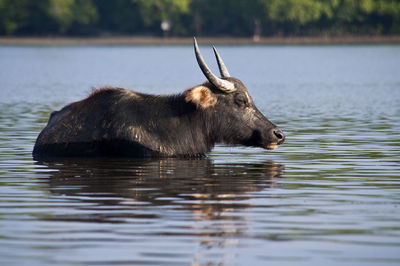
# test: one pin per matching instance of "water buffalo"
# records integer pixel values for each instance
(121, 122)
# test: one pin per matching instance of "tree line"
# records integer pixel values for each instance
(199, 17)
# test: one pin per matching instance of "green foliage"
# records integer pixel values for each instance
(154, 12)
(297, 11)
(207, 17)
(216, 17)
(69, 12)
(23, 16)
(120, 16)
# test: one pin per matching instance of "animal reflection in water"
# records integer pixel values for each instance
(159, 182)
(135, 189)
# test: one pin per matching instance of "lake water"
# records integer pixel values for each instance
(329, 195)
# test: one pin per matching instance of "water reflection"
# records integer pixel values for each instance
(197, 184)
(175, 199)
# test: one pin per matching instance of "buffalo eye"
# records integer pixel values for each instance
(241, 100)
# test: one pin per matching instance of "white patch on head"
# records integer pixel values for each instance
(196, 97)
(201, 96)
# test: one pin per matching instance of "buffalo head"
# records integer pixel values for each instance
(236, 119)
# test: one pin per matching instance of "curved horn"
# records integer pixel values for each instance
(222, 68)
(221, 84)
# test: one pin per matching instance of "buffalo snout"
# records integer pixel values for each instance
(279, 135)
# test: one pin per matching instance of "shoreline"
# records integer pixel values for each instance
(140, 40)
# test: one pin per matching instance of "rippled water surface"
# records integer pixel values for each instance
(330, 195)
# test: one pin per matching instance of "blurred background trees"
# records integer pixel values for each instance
(199, 17)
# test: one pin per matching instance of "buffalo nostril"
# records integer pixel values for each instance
(279, 134)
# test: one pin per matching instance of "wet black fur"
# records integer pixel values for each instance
(118, 122)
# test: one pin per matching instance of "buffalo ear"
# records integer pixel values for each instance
(201, 96)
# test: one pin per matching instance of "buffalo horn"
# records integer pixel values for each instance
(222, 68)
(221, 84)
